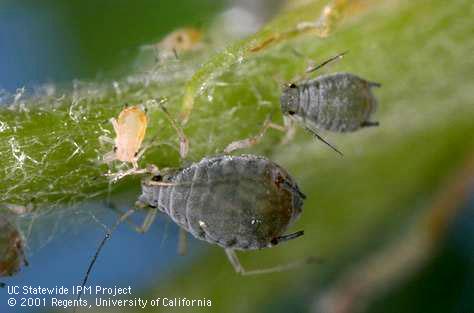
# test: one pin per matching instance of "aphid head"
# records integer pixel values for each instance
(151, 186)
(126, 153)
(289, 99)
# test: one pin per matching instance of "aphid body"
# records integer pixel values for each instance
(180, 40)
(238, 202)
(130, 128)
(11, 248)
(340, 102)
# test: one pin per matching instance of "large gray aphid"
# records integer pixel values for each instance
(238, 202)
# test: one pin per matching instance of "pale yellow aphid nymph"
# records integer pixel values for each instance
(130, 129)
(181, 40)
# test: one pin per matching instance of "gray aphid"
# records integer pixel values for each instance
(238, 202)
(340, 102)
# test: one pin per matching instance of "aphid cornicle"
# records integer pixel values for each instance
(238, 202)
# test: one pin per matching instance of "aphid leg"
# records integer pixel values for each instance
(160, 183)
(183, 141)
(315, 134)
(104, 139)
(290, 130)
(175, 53)
(232, 256)
(115, 125)
(114, 177)
(234, 260)
(109, 157)
(248, 142)
(182, 242)
(369, 124)
(147, 222)
(165, 233)
(156, 53)
(139, 155)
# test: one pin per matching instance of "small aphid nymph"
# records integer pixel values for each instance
(130, 129)
(179, 41)
(340, 102)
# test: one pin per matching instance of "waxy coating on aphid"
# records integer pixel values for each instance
(340, 102)
(238, 202)
(130, 128)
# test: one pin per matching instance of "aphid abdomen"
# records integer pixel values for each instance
(130, 129)
(339, 102)
(244, 208)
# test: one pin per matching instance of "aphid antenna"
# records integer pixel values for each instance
(298, 53)
(175, 53)
(315, 134)
(332, 59)
(107, 236)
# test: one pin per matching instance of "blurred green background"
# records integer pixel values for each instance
(393, 220)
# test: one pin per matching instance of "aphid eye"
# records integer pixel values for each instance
(292, 85)
(157, 178)
(115, 148)
(179, 39)
(291, 112)
(135, 154)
